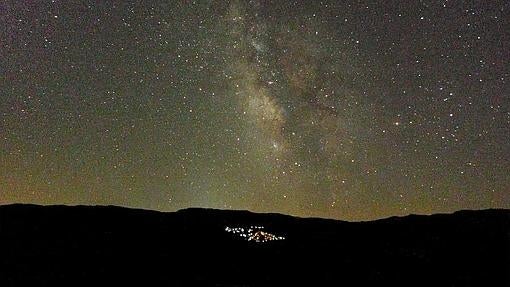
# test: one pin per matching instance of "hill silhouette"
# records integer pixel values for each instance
(81, 245)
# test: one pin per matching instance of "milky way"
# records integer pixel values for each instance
(350, 110)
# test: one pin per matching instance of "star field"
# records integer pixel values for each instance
(344, 109)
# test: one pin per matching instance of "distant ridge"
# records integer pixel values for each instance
(214, 210)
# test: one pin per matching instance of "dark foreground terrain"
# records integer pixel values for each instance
(199, 247)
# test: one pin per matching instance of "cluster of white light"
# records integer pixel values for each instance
(253, 233)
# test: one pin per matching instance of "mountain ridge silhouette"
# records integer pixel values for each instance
(107, 244)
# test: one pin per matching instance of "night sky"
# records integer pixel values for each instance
(350, 110)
